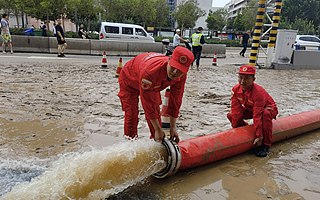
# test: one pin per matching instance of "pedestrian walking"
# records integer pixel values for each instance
(244, 41)
(197, 40)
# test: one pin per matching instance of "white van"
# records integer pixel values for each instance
(123, 32)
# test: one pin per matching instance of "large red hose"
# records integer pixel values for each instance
(212, 147)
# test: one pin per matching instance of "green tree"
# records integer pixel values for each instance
(245, 19)
(129, 11)
(230, 23)
(187, 13)
(15, 7)
(306, 10)
(216, 20)
(83, 12)
(249, 15)
(303, 9)
(117, 10)
(302, 25)
(239, 23)
(162, 11)
(145, 12)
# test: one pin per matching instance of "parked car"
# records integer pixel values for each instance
(304, 42)
(124, 32)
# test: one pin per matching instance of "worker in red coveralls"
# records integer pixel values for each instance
(146, 75)
(250, 101)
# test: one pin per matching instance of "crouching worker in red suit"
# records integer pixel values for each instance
(146, 75)
(250, 101)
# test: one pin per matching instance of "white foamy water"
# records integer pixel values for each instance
(95, 174)
(13, 172)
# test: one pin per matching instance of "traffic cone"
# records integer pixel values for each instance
(165, 118)
(104, 60)
(214, 61)
(119, 68)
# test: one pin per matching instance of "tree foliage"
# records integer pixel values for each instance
(82, 12)
(305, 12)
(245, 20)
(238, 23)
(249, 15)
(303, 9)
(296, 14)
(162, 18)
(302, 25)
(145, 13)
(302, 15)
(216, 20)
(187, 13)
(45, 9)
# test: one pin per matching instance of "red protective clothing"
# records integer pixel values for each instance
(255, 104)
(146, 75)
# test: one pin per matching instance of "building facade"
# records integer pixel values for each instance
(236, 6)
(172, 6)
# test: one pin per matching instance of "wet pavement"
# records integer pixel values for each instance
(51, 106)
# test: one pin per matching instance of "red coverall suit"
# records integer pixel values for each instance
(146, 75)
(255, 103)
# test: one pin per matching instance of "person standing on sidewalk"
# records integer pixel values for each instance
(251, 101)
(43, 28)
(81, 32)
(197, 40)
(54, 29)
(245, 41)
(5, 33)
(62, 45)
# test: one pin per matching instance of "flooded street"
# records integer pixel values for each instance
(53, 111)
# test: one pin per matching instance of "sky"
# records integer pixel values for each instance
(220, 3)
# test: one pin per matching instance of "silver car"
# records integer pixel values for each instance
(307, 42)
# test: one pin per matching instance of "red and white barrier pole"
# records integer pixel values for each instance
(213, 147)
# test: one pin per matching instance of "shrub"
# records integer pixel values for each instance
(160, 38)
(17, 31)
(71, 34)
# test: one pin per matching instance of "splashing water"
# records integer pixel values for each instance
(13, 172)
(96, 174)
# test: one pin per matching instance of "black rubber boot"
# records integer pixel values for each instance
(263, 152)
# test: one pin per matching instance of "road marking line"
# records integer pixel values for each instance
(3, 56)
(40, 57)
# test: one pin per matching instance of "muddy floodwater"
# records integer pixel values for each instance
(51, 109)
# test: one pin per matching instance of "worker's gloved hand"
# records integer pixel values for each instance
(159, 135)
(174, 136)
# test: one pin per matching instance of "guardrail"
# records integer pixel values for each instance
(39, 44)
